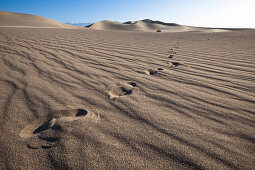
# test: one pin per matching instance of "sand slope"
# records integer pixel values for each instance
(116, 100)
(12, 19)
(147, 26)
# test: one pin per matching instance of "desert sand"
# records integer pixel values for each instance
(108, 99)
(12, 19)
(148, 25)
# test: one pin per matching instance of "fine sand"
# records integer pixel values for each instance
(83, 98)
(12, 19)
(148, 26)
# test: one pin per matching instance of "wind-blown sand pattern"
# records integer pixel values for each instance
(82, 99)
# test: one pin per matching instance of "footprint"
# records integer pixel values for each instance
(171, 53)
(45, 132)
(174, 64)
(153, 71)
(171, 56)
(47, 138)
(122, 89)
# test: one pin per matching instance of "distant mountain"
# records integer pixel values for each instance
(79, 24)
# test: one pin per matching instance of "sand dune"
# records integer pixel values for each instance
(148, 26)
(12, 19)
(89, 99)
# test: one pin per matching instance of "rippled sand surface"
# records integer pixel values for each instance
(111, 99)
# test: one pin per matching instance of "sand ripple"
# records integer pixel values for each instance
(192, 106)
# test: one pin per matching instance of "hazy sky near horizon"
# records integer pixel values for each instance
(207, 13)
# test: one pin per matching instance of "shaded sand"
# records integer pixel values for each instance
(117, 100)
(148, 25)
(12, 19)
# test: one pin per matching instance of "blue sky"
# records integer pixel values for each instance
(211, 13)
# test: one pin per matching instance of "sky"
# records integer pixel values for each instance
(204, 13)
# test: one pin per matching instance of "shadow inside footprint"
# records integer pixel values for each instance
(44, 126)
(56, 127)
(153, 71)
(81, 112)
(174, 64)
(122, 89)
(46, 131)
(126, 91)
(47, 146)
(171, 56)
(49, 138)
(132, 84)
(47, 122)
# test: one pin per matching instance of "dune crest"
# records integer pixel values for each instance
(12, 19)
(148, 25)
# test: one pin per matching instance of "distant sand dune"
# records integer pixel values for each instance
(12, 19)
(148, 25)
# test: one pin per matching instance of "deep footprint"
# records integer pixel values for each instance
(46, 131)
(153, 71)
(122, 89)
(45, 126)
(171, 56)
(171, 53)
(174, 64)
